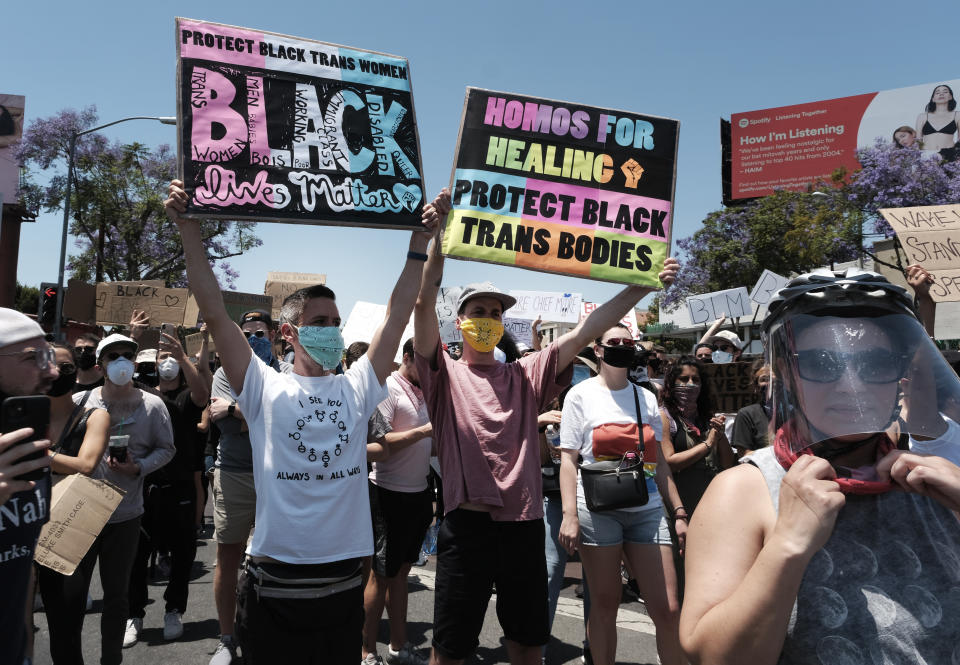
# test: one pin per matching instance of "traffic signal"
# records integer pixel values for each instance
(47, 315)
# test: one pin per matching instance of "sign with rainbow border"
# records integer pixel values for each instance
(562, 188)
(277, 128)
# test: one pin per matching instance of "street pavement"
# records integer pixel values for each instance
(635, 631)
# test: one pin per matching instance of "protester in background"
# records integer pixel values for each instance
(751, 423)
(142, 419)
(693, 444)
(704, 352)
(170, 505)
(401, 508)
(85, 357)
(354, 352)
(728, 347)
(834, 544)
(27, 367)
(234, 494)
(484, 415)
(80, 435)
(601, 421)
(145, 373)
(537, 334)
(300, 599)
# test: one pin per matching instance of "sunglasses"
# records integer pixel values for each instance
(872, 365)
(619, 341)
(255, 333)
(113, 355)
(66, 368)
(725, 347)
(688, 379)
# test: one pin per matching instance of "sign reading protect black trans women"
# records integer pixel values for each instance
(276, 128)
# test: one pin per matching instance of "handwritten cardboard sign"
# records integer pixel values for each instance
(629, 320)
(549, 306)
(930, 236)
(768, 284)
(115, 302)
(731, 386)
(563, 188)
(708, 307)
(277, 128)
(238, 303)
(193, 343)
(447, 314)
(279, 285)
(520, 330)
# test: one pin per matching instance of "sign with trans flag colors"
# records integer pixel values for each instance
(276, 128)
(562, 188)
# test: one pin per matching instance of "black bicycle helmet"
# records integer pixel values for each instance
(816, 292)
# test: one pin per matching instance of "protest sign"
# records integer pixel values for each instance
(731, 386)
(79, 508)
(364, 320)
(279, 285)
(115, 302)
(277, 128)
(930, 236)
(79, 301)
(629, 320)
(11, 129)
(193, 343)
(708, 307)
(768, 284)
(238, 303)
(553, 307)
(520, 330)
(447, 314)
(562, 188)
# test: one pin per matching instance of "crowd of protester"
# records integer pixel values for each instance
(783, 532)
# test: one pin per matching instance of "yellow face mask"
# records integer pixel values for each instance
(481, 334)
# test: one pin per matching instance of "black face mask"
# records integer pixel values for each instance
(619, 356)
(85, 359)
(63, 385)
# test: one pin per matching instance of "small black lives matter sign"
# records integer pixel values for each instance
(563, 188)
(276, 128)
(731, 386)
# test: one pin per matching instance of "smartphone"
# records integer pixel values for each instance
(169, 329)
(28, 411)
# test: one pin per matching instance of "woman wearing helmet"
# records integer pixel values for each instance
(845, 549)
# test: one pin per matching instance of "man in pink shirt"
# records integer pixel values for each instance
(484, 417)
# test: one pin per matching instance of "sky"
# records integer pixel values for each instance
(693, 61)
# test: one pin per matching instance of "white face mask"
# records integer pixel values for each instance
(120, 371)
(721, 357)
(168, 369)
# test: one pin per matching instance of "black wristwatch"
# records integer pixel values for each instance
(231, 408)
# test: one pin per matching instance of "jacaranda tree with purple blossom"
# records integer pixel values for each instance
(117, 217)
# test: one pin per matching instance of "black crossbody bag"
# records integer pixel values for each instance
(610, 485)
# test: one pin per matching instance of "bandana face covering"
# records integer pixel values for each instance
(686, 396)
(262, 348)
(324, 344)
(481, 334)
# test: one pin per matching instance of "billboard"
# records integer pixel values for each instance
(276, 128)
(561, 187)
(793, 147)
(11, 129)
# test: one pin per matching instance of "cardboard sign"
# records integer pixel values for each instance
(629, 320)
(930, 236)
(708, 307)
(731, 386)
(79, 301)
(11, 129)
(79, 508)
(562, 188)
(520, 330)
(277, 128)
(549, 306)
(238, 303)
(115, 302)
(279, 285)
(447, 314)
(193, 343)
(364, 320)
(765, 288)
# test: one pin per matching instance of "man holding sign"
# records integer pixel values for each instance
(484, 415)
(300, 598)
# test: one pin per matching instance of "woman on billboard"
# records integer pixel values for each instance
(937, 126)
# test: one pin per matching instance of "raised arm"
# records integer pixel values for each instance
(234, 350)
(712, 330)
(920, 280)
(383, 347)
(426, 327)
(607, 315)
(199, 388)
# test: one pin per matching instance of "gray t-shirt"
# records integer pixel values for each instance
(233, 452)
(884, 589)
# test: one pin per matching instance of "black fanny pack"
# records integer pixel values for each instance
(290, 581)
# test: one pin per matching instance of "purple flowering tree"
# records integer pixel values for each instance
(117, 219)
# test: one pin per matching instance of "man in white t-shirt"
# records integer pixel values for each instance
(300, 597)
(401, 507)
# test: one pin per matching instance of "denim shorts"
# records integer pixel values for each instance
(647, 526)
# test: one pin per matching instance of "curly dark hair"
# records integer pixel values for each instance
(703, 400)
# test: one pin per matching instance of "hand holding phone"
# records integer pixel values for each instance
(17, 413)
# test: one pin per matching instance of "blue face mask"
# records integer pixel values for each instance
(722, 357)
(262, 348)
(322, 343)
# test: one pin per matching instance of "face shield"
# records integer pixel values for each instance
(841, 379)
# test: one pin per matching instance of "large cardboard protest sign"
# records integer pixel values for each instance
(279, 285)
(277, 128)
(11, 129)
(731, 386)
(238, 303)
(629, 320)
(548, 306)
(708, 307)
(794, 147)
(562, 188)
(447, 298)
(79, 508)
(765, 288)
(115, 302)
(930, 236)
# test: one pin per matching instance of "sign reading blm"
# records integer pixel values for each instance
(562, 188)
(275, 128)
